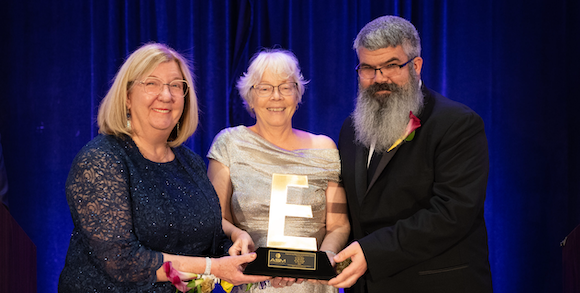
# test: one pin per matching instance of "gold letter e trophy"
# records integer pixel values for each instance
(289, 256)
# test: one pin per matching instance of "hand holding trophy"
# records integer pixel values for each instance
(289, 256)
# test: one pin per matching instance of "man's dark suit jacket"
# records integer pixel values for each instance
(420, 224)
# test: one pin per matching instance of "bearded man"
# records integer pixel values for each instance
(415, 167)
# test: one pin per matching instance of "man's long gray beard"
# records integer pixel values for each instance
(382, 119)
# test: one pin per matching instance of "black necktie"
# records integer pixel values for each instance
(376, 158)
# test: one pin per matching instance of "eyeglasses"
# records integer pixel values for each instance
(154, 86)
(388, 70)
(286, 89)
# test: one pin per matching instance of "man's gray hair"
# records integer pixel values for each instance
(389, 31)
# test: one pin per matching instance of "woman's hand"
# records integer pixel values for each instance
(280, 282)
(243, 243)
(229, 269)
(331, 256)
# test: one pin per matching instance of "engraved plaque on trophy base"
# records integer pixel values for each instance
(280, 262)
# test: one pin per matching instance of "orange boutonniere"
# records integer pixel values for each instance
(409, 134)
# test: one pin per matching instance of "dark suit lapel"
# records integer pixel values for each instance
(360, 167)
(385, 159)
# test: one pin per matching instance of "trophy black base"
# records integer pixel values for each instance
(280, 262)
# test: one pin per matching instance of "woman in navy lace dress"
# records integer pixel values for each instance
(137, 197)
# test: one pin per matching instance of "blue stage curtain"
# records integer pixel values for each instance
(514, 62)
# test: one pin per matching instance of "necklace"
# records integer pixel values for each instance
(162, 160)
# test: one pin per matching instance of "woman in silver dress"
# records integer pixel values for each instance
(242, 160)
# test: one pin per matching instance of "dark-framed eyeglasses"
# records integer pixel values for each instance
(265, 90)
(154, 86)
(389, 70)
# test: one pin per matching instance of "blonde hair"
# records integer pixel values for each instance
(112, 117)
(278, 61)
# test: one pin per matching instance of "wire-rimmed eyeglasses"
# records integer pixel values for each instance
(154, 86)
(388, 70)
(286, 89)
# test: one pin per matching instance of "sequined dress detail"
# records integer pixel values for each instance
(126, 210)
(252, 160)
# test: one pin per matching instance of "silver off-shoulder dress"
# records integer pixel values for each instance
(252, 160)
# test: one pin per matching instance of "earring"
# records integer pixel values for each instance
(129, 121)
(177, 129)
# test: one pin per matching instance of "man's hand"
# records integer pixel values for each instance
(355, 270)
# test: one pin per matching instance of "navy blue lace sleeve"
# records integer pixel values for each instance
(98, 195)
(126, 210)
